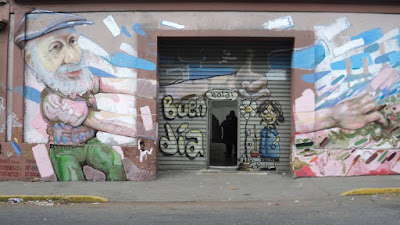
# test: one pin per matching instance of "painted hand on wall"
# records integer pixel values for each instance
(56, 108)
(356, 113)
(256, 89)
(253, 85)
(351, 114)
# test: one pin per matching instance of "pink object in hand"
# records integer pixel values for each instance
(56, 108)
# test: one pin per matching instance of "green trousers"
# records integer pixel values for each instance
(68, 161)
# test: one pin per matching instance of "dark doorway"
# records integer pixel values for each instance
(223, 133)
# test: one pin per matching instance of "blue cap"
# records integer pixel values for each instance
(41, 22)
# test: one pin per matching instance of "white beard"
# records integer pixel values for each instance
(58, 82)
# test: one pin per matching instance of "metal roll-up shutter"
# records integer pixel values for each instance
(189, 67)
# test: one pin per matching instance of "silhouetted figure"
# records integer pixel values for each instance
(227, 135)
(216, 130)
(234, 121)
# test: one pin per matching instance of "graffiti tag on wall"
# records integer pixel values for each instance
(187, 141)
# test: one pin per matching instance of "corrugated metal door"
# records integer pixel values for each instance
(255, 70)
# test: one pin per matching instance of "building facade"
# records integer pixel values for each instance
(119, 91)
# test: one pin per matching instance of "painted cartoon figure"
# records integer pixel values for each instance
(67, 103)
(271, 114)
(143, 151)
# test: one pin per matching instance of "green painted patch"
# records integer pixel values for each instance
(343, 156)
(382, 156)
(362, 141)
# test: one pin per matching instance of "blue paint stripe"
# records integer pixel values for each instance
(309, 57)
(350, 78)
(57, 139)
(32, 94)
(73, 138)
(338, 65)
(8, 89)
(64, 139)
(337, 80)
(394, 57)
(372, 48)
(398, 40)
(16, 147)
(205, 72)
(138, 29)
(125, 31)
(28, 92)
(382, 58)
(321, 88)
(99, 72)
(369, 36)
(357, 61)
(356, 88)
(313, 77)
(393, 92)
(124, 60)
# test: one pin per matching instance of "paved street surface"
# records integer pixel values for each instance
(355, 210)
(174, 186)
(209, 197)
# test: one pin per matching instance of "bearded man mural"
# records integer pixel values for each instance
(67, 102)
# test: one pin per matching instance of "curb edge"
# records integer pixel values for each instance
(371, 191)
(68, 198)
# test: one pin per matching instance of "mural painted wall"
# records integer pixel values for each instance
(86, 110)
(348, 125)
(91, 91)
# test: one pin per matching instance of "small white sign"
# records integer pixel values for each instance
(222, 94)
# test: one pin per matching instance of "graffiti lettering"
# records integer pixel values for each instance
(188, 107)
(190, 143)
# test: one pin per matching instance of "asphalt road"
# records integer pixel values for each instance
(356, 210)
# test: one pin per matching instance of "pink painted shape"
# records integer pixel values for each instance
(119, 150)
(65, 110)
(328, 165)
(42, 160)
(396, 165)
(113, 97)
(146, 116)
(39, 124)
(386, 77)
(305, 103)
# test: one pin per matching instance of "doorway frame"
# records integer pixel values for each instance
(209, 137)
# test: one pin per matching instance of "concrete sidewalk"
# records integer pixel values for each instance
(173, 186)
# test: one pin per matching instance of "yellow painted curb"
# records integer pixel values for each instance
(370, 191)
(67, 198)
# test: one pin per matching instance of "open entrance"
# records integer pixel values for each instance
(203, 79)
(223, 137)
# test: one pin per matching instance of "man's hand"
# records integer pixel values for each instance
(56, 108)
(256, 89)
(351, 114)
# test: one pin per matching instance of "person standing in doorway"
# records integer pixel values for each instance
(234, 121)
(227, 135)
